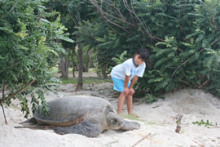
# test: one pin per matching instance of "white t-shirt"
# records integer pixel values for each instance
(128, 68)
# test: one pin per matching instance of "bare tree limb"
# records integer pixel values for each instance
(215, 41)
(18, 92)
(11, 96)
(120, 19)
(104, 14)
(204, 83)
(139, 141)
(12, 8)
(3, 95)
(119, 12)
(178, 121)
(141, 22)
(4, 113)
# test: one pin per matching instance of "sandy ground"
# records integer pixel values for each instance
(158, 121)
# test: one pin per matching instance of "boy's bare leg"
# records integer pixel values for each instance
(121, 100)
(129, 100)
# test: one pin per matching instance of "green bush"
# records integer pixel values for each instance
(183, 38)
(28, 51)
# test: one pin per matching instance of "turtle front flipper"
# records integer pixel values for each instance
(85, 128)
(129, 125)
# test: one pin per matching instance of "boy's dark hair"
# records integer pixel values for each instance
(144, 54)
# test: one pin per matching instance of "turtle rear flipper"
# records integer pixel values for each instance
(85, 128)
(31, 121)
(129, 125)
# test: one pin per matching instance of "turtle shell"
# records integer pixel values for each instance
(72, 110)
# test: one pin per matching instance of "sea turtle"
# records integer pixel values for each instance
(89, 116)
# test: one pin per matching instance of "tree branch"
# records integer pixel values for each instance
(141, 22)
(185, 62)
(12, 8)
(120, 19)
(103, 15)
(139, 141)
(4, 113)
(3, 96)
(18, 92)
(11, 96)
(119, 12)
(215, 41)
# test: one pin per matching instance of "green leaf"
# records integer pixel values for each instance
(67, 39)
(155, 80)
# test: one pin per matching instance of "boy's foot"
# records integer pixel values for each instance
(134, 115)
(120, 114)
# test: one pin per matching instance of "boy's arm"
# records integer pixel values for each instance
(127, 78)
(133, 81)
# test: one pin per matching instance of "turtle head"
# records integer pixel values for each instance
(114, 121)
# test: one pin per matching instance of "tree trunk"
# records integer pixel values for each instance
(73, 65)
(59, 66)
(85, 68)
(89, 58)
(80, 76)
(98, 72)
(64, 63)
(104, 74)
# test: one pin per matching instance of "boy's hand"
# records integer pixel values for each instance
(131, 91)
(126, 91)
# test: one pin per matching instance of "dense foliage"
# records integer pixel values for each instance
(28, 50)
(189, 54)
(182, 36)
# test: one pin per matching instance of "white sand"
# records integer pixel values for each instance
(158, 119)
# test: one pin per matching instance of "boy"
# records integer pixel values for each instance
(125, 75)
